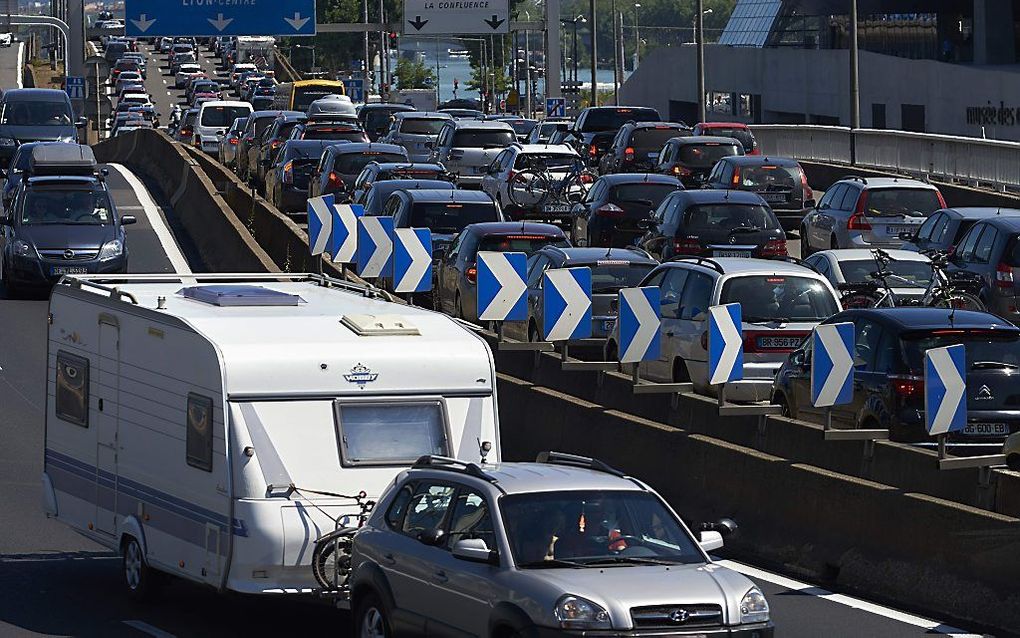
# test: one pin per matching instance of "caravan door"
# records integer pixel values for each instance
(107, 383)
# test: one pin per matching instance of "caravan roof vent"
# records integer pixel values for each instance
(379, 325)
(239, 295)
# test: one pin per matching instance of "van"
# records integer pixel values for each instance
(35, 115)
(206, 426)
(214, 118)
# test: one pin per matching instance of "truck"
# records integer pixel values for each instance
(259, 50)
(421, 99)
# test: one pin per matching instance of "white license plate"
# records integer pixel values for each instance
(556, 208)
(69, 270)
(608, 325)
(774, 198)
(896, 230)
(779, 342)
(986, 429)
(731, 253)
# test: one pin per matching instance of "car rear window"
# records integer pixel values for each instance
(610, 275)
(651, 140)
(451, 217)
(544, 161)
(984, 346)
(305, 151)
(334, 133)
(520, 243)
(409, 173)
(522, 127)
(768, 176)
(351, 163)
(779, 297)
(707, 153)
(480, 138)
(914, 202)
(612, 119)
(421, 126)
(742, 135)
(641, 193)
(727, 217)
(905, 273)
(223, 116)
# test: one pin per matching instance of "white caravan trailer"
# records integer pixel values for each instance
(191, 421)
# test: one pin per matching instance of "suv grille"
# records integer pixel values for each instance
(68, 255)
(676, 616)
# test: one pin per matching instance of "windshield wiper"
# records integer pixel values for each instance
(993, 365)
(629, 560)
(547, 564)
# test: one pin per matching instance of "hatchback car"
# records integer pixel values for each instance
(186, 73)
(416, 131)
(889, 373)
(227, 154)
(374, 199)
(611, 270)
(990, 252)
(615, 205)
(467, 148)
(910, 272)
(342, 163)
(376, 118)
(781, 304)
(945, 227)
(272, 139)
(520, 194)
(715, 224)
(333, 131)
(287, 179)
(873, 212)
(381, 171)
(635, 149)
(248, 145)
(691, 159)
(444, 212)
(736, 130)
(781, 182)
(596, 126)
(563, 546)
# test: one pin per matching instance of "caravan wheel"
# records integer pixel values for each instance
(137, 575)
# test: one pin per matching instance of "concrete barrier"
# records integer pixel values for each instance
(841, 531)
(223, 241)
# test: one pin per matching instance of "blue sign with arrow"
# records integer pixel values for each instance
(148, 18)
(412, 260)
(502, 291)
(355, 88)
(375, 247)
(555, 107)
(566, 304)
(725, 344)
(320, 223)
(945, 384)
(343, 243)
(638, 324)
(832, 365)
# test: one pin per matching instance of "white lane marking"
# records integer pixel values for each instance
(848, 601)
(21, 64)
(145, 627)
(166, 239)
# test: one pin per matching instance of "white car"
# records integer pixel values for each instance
(214, 118)
(6, 39)
(521, 199)
(910, 271)
(185, 73)
(237, 70)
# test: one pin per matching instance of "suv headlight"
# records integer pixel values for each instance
(754, 607)
(575, 612)
(111, 249)
(23, 248)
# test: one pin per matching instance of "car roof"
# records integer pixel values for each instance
(270, 113)
(389, 166)
(351, 148)
(885, 182)
(422, 115)
(425, 195)
(40, 95)
(749, 266)
(706, 139)
(739, 125)
(563, 149)
(377, 106)
(760, 160)
(513, 228)
(979, 212)
(914, 318)
(616, 179)
(492, 125)
(592, 254)
(1006, 223)
(719, 196)
(522, 478)
(676, 125)
(896, 254)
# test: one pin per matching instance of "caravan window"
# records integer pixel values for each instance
(72, 400)
(396, 433)
(199, 442)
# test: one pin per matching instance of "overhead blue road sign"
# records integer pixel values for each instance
(75, 87)
(211, 18)
(638, 324)
(320, 222)
(566, 299)
(832, 365)
(945, 384)
(355, 89)
(375, 247)
(501, 289)
(725, 344)
(343, 243)
(555, 107)
(412, 260)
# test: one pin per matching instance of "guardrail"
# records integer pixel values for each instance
(975, 161)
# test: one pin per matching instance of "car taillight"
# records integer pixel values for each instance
(471, 273)
(1004, 277)
(611, 211)
(232, 141)
(687, 246)
(275, 144)
(736, 177)
(628, 154)
(808, 193)
(858, 221)
(592, 150)
(774, 248)
(334, 180)
(907, 385)
(288, 173)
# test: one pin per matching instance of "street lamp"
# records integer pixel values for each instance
(637, 39)
(594, 53)
(583, 20)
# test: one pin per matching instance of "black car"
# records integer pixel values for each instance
(341, 164)
(381, 171)
(635, 149)
(945, 227)
(889, 373)
(596, 126)
(780, 181)
(457, 268)
(248, 145)
(62, 221)
(612, 211)
(691, 159)
(444, 212)
(19, 165)
(374, 199)
(376, 118)
(35, 115)
(287, 179)
(713, 223)
(335, 131)
(272, 139)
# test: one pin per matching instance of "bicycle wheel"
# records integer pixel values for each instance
(528, 189)
(960, 301)
(860, 300)
(575, 186)
(331, 559)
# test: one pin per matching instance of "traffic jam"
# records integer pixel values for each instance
(653, 248)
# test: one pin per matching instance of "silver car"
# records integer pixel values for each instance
(873, 212)
(467, 147)
(562, 546)
(909, 278)
(416, 132)
(230, 141)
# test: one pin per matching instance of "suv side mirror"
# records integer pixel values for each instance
(710, 541)
(475, 550)
(432, 537)
(127, 220)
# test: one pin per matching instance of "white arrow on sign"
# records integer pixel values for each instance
(842, 364)
(421, 260)
(320, 208)
(648, 324)
(142, 24)
(955, 387)
(732, 344)
(297, 21)
(383, 247)
(345, 245)
(220, 23)
(577, 303)
(511, 286)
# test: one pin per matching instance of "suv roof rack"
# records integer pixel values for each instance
(700, 261)
(856, 178)
(573, 460)
(436, 462)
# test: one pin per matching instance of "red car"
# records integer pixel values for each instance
(737, 130)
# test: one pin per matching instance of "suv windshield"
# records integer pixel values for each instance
(594, 527)
(612, 119)
(779, 297)
(35, 113)
(65, 206)
(706, 154)
(916, 202)
(482, 138)
(452, 217)
(421, 126)
(650, 140)
(715, 217)
(223, 116)
(519, 243)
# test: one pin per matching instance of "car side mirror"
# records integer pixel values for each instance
(710, 541)
(127, 220)
(432, 537)
(475, 550)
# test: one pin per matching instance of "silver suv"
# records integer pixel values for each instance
(417, 132)
(467, 147)
(562, 546)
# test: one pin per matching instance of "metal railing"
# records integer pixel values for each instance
(975, 161)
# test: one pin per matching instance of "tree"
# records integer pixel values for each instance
(413, 74)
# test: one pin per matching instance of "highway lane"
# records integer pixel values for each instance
(160, 84)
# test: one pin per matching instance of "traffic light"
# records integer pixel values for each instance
(393, 39)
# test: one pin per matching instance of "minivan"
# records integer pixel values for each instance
(35, 115)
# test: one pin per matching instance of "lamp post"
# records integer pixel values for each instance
(368, 64)
(594, 53)
(637, 39)
(527, 67)
(855, 88)
(699, 35)
(581, 19)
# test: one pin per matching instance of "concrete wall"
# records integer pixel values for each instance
(816, 82)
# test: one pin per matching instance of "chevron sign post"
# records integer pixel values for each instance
(725, 344)
(945, 383)
(343, 244)
(502, 291)
(375, 247)
(412, 260)
(566, 310)
(639, 324)
(320, 223)
(832, 365)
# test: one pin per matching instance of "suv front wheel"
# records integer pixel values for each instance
(370, 618)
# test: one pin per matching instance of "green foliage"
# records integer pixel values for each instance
(413, 74)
